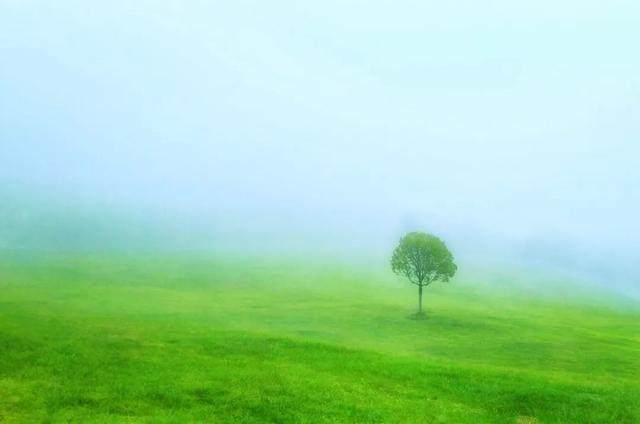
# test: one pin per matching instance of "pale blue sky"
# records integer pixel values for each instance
(507, 120)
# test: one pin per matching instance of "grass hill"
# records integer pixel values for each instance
(190, 338)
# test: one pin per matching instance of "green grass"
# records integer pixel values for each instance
(190, 338)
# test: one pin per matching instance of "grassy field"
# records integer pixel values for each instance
(191, 338)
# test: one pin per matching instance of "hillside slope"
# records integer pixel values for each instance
(190, 338)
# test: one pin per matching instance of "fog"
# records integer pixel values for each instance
(509, 129)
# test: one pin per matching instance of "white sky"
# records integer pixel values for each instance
(509, 120)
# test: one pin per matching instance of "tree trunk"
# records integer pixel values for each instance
(420, 300)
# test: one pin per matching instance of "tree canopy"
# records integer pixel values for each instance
(423, 258)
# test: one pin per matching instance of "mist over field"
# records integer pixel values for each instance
(510, 130)
(320, 212)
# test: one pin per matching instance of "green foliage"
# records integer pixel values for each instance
(158, 339)
(422, 259)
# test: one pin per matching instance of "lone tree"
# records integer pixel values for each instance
(422, 258)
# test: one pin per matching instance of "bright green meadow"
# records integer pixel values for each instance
(211, 338)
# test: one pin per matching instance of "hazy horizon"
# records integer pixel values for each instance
(511, 132)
